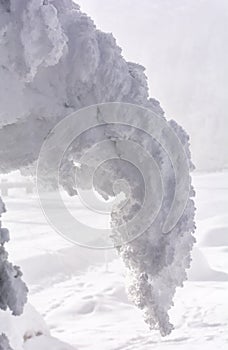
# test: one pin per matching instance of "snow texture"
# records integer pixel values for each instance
(28, 331)
(13, 291)
(184, 47)
(54, 69)
(46, 343)
(155, 262)
(54, 61)
(4, 343)
(81, 294)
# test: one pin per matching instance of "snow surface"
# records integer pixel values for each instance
(81, 293)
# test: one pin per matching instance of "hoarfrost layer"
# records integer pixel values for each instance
(54, 61)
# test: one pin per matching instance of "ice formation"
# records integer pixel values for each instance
(13, 291)
(54, 61)
(4, 343)
(155, 261)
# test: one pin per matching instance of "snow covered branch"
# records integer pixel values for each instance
(53, 61)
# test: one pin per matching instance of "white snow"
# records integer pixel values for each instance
(46, 343)
(81, 293)
(58, 62)
(53, 61)
(183, 45)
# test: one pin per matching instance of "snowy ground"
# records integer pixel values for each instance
(81, 294)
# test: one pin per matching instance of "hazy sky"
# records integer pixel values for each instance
(184, 46)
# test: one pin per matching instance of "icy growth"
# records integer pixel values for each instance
(155, 262)
(54, 61)
(13, 291)
(186, 62)
(4, 343)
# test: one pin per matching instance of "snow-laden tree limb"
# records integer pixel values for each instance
(54, 61)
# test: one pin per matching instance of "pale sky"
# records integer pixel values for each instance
(184, 46)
